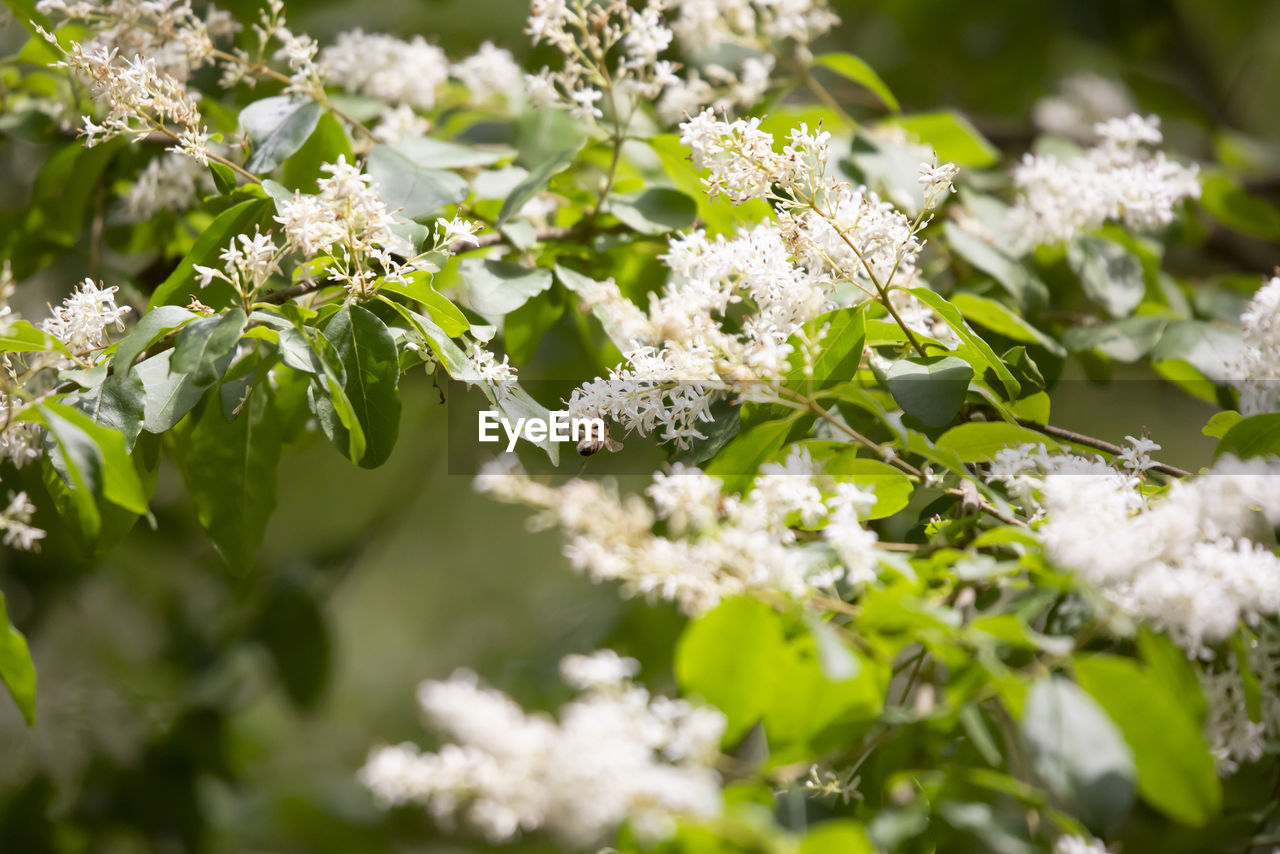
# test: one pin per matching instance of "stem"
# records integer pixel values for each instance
(1098, 444)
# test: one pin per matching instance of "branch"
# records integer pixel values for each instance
(1098, 444)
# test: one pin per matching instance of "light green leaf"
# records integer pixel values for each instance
(656, 210)
(1255, 436)
(1176, 772)
(16, 667)
(1109, 274)
(855, 69)
(417, 286)
(837, 353)
(495, 288)
(1002, 320)
(412, 190)
(729, 657)
(277, 127)
(21, 337)
(1077, 752)
(952, 136)
(979, 347)
(977, 442)
(111, 470)
(930, 389)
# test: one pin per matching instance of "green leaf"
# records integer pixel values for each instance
(1228, 203)
(656, 210)
(496, 288)
(930, 389)
(1011, 274)
(729, 656)
(977, 442)
(21, 337)
(524, 329)
(980, 348)
(16, 667)
(224, 179)
(1125, 340)
(203, 344)
(838, 350)
(583, 285)
(119, 482)
(1077, 752)
(418, 286)
(1255, 436)
(182, 283)
(1002, 320)
(117, 403)
(413, 191)
(293, 629)
(444, 154)
(326, 144)
(1109, 274)
(230, 472)
(153, 326)
(1220, 423)
(738, 461)
(277, 127)
(720, 215)
(855, 69)
(892, 488)
(1176, 772)
(367, 351)
(839, 836)
(539, 177)
(952, 136)
(805, 701)
(167, 395)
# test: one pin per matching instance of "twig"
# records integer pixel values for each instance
(1098, 444)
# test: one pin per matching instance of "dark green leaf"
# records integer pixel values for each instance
(367, 352)
(293, 629)
(1125, 340)
(326, 144)
(117, 403)
(204, 344)
(167, 395)
(182, 283)
(153, 326)
(224, 179)
(539, 177)
(230, 472)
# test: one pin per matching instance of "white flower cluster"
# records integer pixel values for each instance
(410, 73)
(139, 97)
(170, 182)
(616, 754)
(710, 27)
(1257, 373)
(1234, 736)
(1081, 102)
(168, 32)
(1067, 844)
(1183, 562)
(716, 544)
(681, 356)
(15, 523)
(81, 321)
(1118, 179)
(608, 48)
(347, 222)
(248, 263)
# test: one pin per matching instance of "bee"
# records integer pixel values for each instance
(591, 445)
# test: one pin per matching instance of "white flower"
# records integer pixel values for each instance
(614, 754)
(489, 72)
(15, 522)
(383, 66)
(455, 232)
(1256, 372)
(82, 319)
(171, 182)
(1117, 180)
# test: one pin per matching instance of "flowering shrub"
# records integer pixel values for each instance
(918, 611)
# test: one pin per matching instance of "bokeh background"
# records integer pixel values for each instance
(186, 709)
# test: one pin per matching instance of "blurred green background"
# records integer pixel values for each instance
(184, 709)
